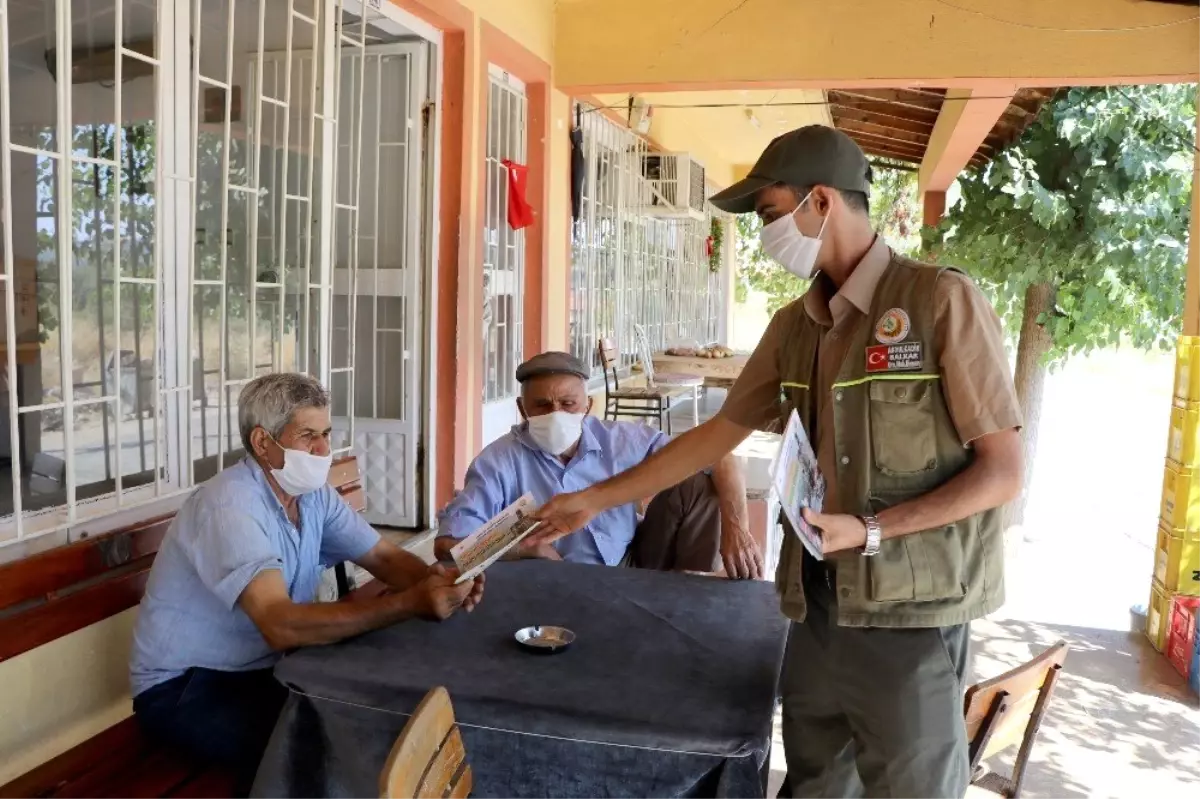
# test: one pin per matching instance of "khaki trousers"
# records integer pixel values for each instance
(871, 711)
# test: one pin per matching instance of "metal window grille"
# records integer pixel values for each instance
(629, 268)
(503, 248)
(596, 238)
(81, 182)
(259, 284)
(168, 218)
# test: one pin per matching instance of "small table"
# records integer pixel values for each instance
(669, 689)
(717, 372)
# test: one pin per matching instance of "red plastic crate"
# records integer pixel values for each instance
(1181, 638)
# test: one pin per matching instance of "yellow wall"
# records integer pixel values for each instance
(625, 44)
(60, 694)
(529, 22)
(714, 127)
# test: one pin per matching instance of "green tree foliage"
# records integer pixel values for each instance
(1092, 200)
(894, 212)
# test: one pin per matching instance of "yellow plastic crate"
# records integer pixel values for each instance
(1180, 508)
(1158, 615)
(1187, 369)
(1177, 562)
(1183, 444)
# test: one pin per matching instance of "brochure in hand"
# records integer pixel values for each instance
(489, 543)
(798, 483)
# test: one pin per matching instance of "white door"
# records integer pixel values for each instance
(503, 256)
(378, 273)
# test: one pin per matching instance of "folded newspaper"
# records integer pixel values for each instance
(489, 543)
(799, 484)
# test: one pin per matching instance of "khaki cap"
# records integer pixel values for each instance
(815, 155)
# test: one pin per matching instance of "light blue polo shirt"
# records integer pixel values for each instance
(231, 529)
(514, 465)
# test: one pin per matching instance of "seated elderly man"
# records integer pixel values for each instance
(235, 581)
(699, 525)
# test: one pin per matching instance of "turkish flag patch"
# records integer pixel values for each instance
(894, 357)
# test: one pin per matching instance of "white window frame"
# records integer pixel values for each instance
(507, 254)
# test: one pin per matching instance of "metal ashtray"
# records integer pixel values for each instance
(545, 640)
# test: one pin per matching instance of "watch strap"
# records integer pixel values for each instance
(874, 535)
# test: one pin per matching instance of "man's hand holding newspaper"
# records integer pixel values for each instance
(501, 536)
(442, 593)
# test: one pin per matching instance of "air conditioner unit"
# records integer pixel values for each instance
(674, 186)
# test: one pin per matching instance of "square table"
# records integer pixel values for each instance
(668, 690)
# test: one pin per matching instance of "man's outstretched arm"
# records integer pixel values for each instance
(286, 624)
(680, 459)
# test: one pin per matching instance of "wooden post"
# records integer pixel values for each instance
(1191, 293)
(933, 206)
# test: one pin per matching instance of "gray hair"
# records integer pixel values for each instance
(270, 401)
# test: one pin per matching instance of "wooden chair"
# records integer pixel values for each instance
(428, 760)
(643, 402)
(1008, 710)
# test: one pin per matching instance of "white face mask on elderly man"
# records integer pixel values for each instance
(783, 242)
(556, 432)
(302, 472)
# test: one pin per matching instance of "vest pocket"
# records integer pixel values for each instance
(921, 567)
(902, 426)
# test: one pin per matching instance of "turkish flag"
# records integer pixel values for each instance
(520, 213)
(877, 358)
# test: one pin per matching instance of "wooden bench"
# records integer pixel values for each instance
(58, 592)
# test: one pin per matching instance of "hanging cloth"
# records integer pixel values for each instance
(520, 213)
(578, 166)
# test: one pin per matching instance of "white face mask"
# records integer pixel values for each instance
(556, 432)
(302, 472)
(788, 247)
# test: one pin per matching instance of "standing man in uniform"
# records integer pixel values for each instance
(898, 373)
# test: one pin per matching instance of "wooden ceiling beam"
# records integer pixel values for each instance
(922, 128)
(882, 108)
(881, 132)
(884, 152)
(885, 141)
(904, 98)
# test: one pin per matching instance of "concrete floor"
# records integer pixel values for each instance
(1122, 722)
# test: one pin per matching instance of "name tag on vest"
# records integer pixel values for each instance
(894, 357)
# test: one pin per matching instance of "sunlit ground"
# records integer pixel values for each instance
(1122, 722)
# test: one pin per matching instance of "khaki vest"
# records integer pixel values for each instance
(894, 441)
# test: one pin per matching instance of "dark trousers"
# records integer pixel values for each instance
(871, 711)
(221, 717)
(681, 530)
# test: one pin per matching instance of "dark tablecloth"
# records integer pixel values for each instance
(669, 689)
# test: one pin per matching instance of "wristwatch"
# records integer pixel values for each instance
(874, 535)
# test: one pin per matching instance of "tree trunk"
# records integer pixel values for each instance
(1030, 379)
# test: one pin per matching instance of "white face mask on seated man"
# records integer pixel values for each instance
(557, 431)
(302, 472)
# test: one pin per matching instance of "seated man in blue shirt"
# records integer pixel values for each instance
(699, 525)
(236, 577)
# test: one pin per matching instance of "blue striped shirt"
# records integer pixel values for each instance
(514, 465)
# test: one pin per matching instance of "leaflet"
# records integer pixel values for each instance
(489, 543)
(799, 484)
